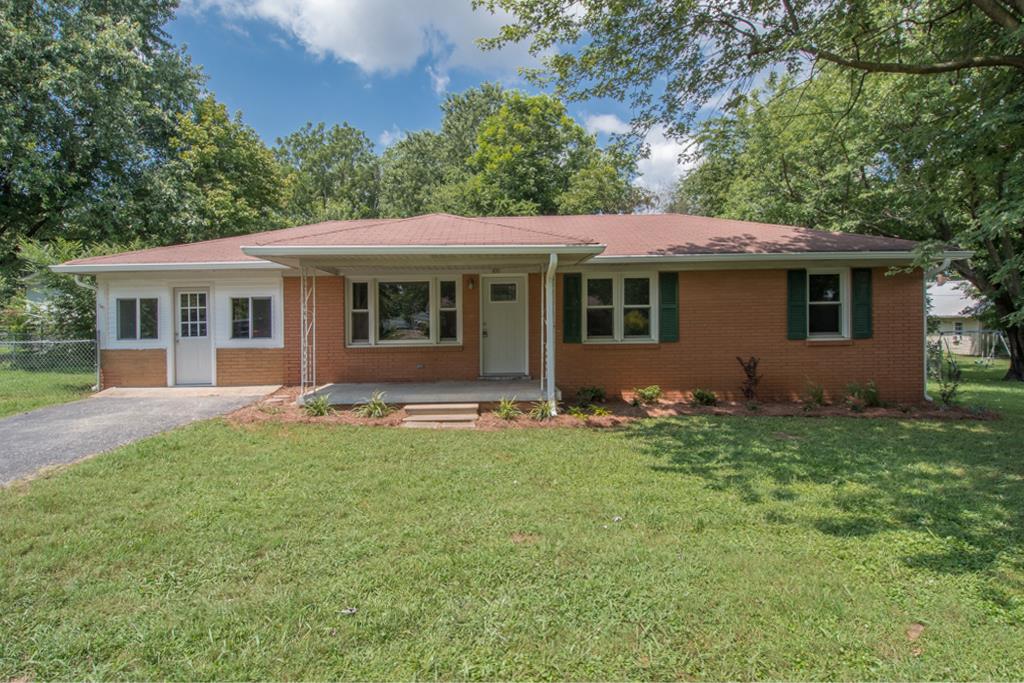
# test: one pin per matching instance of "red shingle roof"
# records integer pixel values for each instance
(623, 235)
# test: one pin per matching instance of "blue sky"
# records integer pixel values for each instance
(381, 65)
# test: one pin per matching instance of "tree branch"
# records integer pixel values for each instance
(998, 14)
(901, 68)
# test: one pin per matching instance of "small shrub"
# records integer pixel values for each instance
(753, 406)
(867, 394)
(588, 396)
(542, 410)
(749, 385)
(598, 411)
(507, 408)
(814, 396)
(855, 404)
(579, 412)
(374, 407)
(704, 397)
(646, 395)
(949, 382)
(319, 406)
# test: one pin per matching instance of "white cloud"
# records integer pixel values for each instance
(383, 36)
(438, 79)
(390, 136)
(605, 123)
(662, 167)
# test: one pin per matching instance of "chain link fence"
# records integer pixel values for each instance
(36, 372)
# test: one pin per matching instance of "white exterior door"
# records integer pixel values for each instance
(503, 325)
(193, 360)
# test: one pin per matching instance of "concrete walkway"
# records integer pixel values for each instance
(404, 393)
(61, 434)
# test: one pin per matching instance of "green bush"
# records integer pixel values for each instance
(507, 408)
(542, 410)
(949, 382)
(814, 396)
(374, 407)
(646, 395)
(319, 406)
(588, 396)
(704, 397)
(867, 394)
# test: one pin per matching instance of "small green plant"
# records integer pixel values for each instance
(588, 396)
(598, 411)
(949, 382)
(646, 395)
(751, 378)
(507, 408)
(375, 406)
(867, 394)
(542, 410)
(704, 397)
(814, 396)
(318, 406)
(579, 412)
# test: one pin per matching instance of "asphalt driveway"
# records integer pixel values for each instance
(61, 434)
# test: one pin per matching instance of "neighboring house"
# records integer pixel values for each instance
(617, 301)
(958, 312)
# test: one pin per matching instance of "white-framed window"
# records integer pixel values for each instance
(409, 310)
(828, 303)
(619, 308)
(137, 318)
(958, 328)
(251, 317)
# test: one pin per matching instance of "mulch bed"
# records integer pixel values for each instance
(280, 407)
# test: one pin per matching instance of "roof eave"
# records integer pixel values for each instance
(423, 250)
(776, 257)
(93, 268)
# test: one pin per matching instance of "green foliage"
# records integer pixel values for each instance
(751, 377)
(411, 171)
(331, 173)
(950, 377)
(814, 396)
(866, 394)
(318, 406)
(542, 410)
(375, 406)
(646, 395)
(507, 408)
(704, 397)
(590, 395)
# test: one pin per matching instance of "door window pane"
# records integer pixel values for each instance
(148, 320)
(126, 318)
(261, 318)
(599, 292)
(503, 292)
(404, 311)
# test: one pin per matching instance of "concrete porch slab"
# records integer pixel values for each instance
(479, 391)
(183, 392)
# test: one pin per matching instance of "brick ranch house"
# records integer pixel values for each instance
(617, 301)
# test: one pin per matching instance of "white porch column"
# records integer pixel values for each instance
(549, 332)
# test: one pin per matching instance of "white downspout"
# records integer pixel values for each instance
(928, 274)
(549, 333)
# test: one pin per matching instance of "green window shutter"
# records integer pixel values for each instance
(572, 308)
(796, 304)
(861, 291)
(668, 307)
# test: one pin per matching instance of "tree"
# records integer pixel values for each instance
(411, 171)
(602, 186)
(90, 94)
(331, 173)
(222, 178)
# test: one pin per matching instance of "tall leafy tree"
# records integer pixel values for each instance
(90, 94)
(411, 171)
(331, 173)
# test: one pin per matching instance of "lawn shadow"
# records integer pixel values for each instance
(961, 483)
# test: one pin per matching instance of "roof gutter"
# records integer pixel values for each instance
(772, 257)
(93, 268)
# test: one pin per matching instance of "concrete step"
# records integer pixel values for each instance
(466, 409)
(457, 417)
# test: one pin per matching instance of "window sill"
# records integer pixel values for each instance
(829, 341)
(624, 344)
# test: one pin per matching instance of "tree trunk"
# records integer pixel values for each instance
(1015, 340)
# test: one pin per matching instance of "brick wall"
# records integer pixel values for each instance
(133, 368)
(241, 367)
(724, 314)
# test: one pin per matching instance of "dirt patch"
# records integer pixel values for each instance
(281, 407)
(914, 631)
(520, 538)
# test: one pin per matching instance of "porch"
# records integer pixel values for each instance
(405, 393)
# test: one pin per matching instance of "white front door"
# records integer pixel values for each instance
(193, 363)
(503, 325)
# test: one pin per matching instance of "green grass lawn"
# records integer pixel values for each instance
(22, 390)
(724, 548)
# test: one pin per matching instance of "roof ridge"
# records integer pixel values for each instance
(487, 220)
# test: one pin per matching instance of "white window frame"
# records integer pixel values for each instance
(435, 310)
(231, 316)
(844, 303)
(618, 307)
(138, 319)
